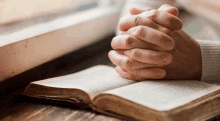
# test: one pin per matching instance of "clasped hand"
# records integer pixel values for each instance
(151, 45)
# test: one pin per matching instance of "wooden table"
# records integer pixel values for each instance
(14, 106)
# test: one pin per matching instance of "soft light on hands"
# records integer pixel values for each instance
(152, 46)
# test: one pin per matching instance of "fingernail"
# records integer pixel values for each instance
(127, 52)
(169, 44)
(167, 59)
(166, 9)
(161, 73)
(134, 32)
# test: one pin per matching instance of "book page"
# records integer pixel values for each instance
(164, 95)
(93, 81)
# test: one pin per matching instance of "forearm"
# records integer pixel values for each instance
(210, 60)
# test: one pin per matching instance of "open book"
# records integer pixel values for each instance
(106, 92)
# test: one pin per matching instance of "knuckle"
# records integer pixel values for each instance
(134, 53)
(128, 63)
(136, 72)
(152, 47)
(129, 41)
(153, 14)
(137, 20)
(160, 37)
(153, 25)
(154, 57)
(140, 32)
(167, 31)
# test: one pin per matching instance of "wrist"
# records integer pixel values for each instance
(198, 65)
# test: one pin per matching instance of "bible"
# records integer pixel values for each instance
(105, 91)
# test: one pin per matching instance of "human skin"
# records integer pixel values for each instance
(150, 46)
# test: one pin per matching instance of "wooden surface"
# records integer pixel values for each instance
(15, 107)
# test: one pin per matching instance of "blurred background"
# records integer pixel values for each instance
(16, 14)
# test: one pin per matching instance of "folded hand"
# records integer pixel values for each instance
(152, 46)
